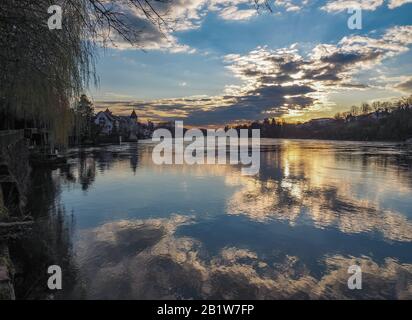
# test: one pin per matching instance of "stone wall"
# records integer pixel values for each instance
(6, 274)
(14, 181)
(14, 174)
(4, 213)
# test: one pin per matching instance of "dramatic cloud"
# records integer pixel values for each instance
(405, 86)
(183, 15)
(291, 5)
(371, 5)
(399, 34)
(178, 15)
(397, 3)
(149, 38)
(233, 9)
(341, 5)
(281, 81)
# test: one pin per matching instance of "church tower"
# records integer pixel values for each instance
(133, 116)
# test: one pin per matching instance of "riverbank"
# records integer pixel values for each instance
(14, 184)
(389, 122)
(6, 274)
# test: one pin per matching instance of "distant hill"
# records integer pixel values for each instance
(381, 121)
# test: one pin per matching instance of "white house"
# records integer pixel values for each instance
(106, 121)
(124, 125)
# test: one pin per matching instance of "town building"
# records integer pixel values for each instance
(123, 126)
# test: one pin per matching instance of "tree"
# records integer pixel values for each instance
(43, 71)
(85, 107)
(84, 113)
(355, 111)
(366, 108)
(376, 105)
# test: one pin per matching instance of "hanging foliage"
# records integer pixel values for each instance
(42, 71)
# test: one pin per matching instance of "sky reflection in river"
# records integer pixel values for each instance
(145, 231)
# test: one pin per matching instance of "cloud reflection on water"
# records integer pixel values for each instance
(320, 185)
(290, 232)
(145, 259)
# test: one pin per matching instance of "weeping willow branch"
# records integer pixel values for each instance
(42, 71)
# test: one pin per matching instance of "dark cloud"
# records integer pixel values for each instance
(405, 86)
(177, 15)
(276, 82)
(261, 102)
(147, 35)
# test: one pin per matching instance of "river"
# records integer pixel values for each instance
(122, 227)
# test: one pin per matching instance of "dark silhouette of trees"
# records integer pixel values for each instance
(381, 121)
(83, 120)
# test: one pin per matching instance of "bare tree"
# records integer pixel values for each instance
(366, 108)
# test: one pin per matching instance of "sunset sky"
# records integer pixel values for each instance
(226, 62)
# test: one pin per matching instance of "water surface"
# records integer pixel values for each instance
(143, 231)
